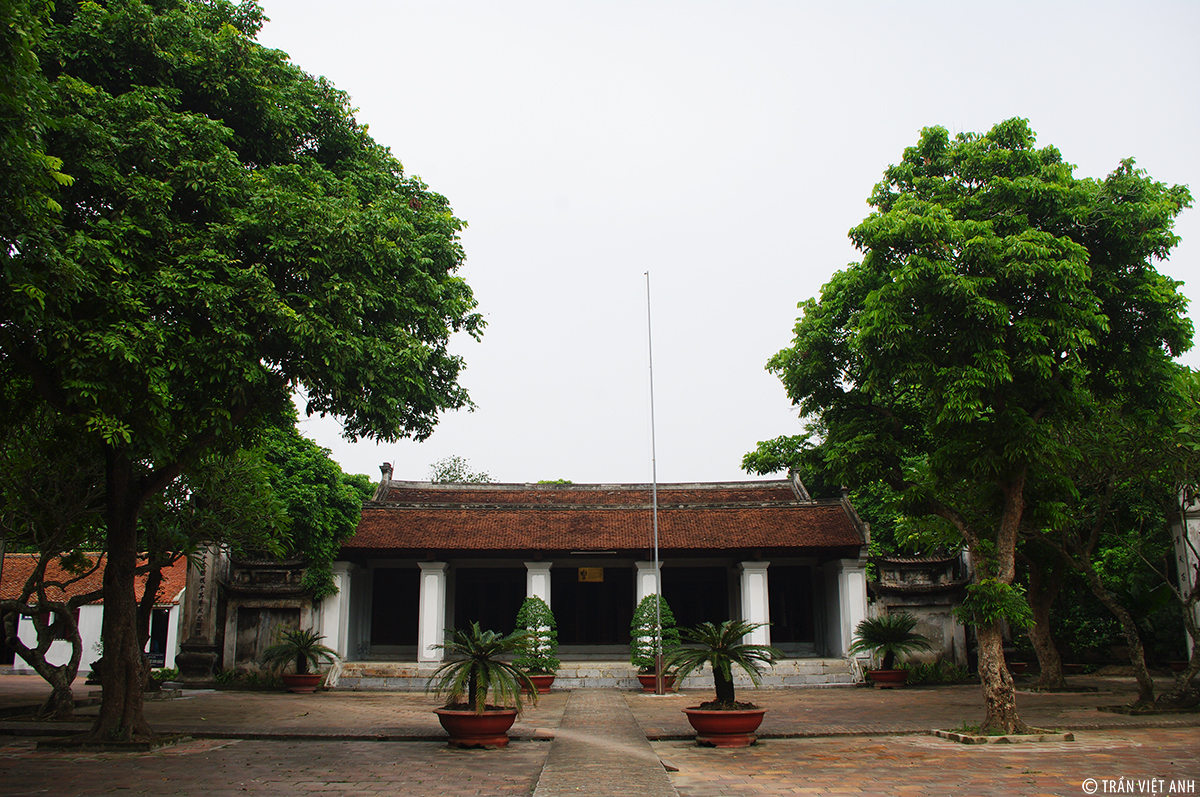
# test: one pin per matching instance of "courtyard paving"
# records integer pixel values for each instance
(816, 741)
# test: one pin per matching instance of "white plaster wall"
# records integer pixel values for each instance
(91, 619)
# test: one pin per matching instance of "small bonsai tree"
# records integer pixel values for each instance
(721, 647)
(466, 681)
(541, 634)
(641, 632)
(299, 646)
(888, 636)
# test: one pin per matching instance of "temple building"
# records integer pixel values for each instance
(430, 556)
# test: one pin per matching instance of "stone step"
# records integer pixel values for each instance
(412, 676)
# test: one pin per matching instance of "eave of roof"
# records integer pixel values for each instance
(19, 566)
(759, 515)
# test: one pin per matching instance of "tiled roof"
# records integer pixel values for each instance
(423, 516)
(18, 567)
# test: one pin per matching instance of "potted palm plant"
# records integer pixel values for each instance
(723, 722)
(301, 647)
(538, 659)
(886, 637)
(642, 639)
(467, 679)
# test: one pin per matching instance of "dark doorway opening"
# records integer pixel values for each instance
(156, 647)
(490, 596)
(395, 602)
(791, 599)
(697, 594)
(592, 612)
(7, 655)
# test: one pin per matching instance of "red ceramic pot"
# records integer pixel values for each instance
(733, 728)
(647, 682)
(542, 682)
(888, 679)
(468, 729)
(305, 683)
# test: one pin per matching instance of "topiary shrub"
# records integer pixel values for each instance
(641, 633)
(539, 655)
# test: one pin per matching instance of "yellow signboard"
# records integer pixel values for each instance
(593, 575)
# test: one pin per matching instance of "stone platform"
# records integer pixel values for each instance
(411, 676)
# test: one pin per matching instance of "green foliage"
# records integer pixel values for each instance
(555, 481)
(539, 654)
(456, 470)
(937, 672)
(721, 647)
(164, 674)
(995, 287)
(888, 636)
(219, 499)
(322, 503)
(642, 632)
(481, 670)
(989, 600)
(300, 647)
(226, 677)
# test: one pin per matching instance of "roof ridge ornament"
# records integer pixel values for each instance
(798, 486)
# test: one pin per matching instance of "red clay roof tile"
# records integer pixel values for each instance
(421, 516)
(18, 567)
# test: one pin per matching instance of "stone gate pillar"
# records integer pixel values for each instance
(756, 605)
(432, 621)
(647, 580)
(537, 580)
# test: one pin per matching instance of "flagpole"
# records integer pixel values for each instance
(658, 651)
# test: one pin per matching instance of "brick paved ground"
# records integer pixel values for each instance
(825, 712)
(223, 768)
(924, 766)
(884, 756)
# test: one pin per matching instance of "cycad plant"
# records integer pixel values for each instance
(721, 647)
(480, 670)
(300, 646)
(888, 636)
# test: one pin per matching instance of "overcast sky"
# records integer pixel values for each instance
(726, 148)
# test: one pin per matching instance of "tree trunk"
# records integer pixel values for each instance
(1137, 655)
(724, 686)
(145, 609)
(122, 715)
(1183, 692)
(60, 705)
(999, 695)
(1045, 582)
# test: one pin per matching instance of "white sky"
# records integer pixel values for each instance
(725, 147)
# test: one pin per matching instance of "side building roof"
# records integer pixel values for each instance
(692, 518)
(19, 566)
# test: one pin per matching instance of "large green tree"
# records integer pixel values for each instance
(231, 234)
(997, 292)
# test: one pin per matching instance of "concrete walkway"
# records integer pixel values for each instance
(599, 749)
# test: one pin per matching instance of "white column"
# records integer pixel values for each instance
(335, 611)
(1186, 538)
(756, 608)
(647, 580)
(432, 623)
(173, 639)
(537, 580)
(851, 591)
